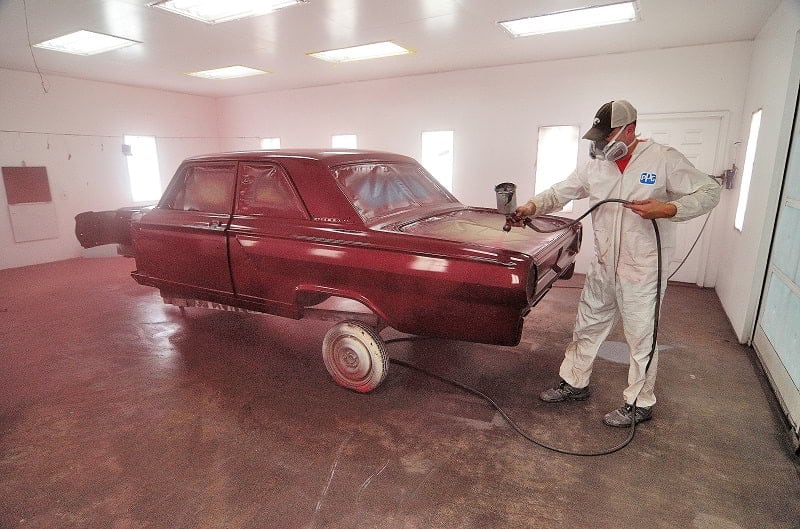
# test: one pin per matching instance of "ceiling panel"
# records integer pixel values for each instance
(445, 35)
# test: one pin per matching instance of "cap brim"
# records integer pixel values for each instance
(596, 134)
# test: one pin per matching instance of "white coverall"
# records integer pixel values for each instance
(622, 276)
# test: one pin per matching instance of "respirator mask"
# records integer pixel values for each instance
(609, 150)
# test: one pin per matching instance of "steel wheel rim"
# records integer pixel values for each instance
(351, 358)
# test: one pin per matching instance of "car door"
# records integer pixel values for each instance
(181, 245)
(268, 238)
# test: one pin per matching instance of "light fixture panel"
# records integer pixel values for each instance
(214, 11)
(228, 72)
(85, 42)
(587, 17)
(358, 53)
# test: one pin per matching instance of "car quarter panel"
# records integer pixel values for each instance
(440, 292)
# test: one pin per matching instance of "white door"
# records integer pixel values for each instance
(777, 335)
(697, 136)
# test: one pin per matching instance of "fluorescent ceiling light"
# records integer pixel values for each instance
(214, 11)
(229, 72)
(85, 43)
(358, 53)
(575, 19)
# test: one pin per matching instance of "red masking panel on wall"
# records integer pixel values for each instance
(30, 204)
(26, 185)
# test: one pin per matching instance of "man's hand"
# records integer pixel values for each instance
(652, 209)
(518, 218)
(525, 210)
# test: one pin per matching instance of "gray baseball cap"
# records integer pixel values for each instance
(610, 116)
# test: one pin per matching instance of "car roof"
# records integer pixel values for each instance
(329, 157)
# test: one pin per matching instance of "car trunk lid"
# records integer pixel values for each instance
(485, 227)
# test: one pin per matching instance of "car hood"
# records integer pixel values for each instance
(485, 227)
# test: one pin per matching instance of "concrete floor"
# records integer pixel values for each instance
(117, 412)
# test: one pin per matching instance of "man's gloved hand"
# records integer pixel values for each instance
(652, 208)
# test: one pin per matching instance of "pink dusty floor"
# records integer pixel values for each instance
(118, 412)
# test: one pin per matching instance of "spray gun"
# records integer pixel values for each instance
(506, 202)
(507, 205)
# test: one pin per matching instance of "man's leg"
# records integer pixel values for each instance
(597, 313)
(637, 307)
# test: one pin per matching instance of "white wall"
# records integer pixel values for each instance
(75, 130)
(496, 112)
(773, 88)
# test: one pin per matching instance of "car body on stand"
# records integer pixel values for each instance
(287, 232)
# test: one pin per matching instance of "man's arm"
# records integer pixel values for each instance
(653, 209)
(556, 197)
(703, 200)
(696, 192)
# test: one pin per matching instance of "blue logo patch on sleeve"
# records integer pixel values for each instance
(647, 178)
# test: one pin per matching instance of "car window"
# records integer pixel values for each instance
(378, 189)
(265, 189)
(206, 187)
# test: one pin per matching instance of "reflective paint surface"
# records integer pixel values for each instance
(271, 230)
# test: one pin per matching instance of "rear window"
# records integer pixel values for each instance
(264, 189)
(380, 189)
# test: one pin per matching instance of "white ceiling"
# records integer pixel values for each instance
(445, 35)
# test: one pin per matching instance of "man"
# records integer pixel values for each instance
(661, 184)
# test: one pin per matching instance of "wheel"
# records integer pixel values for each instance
(355, 356)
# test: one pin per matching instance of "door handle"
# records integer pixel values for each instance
(215, 224)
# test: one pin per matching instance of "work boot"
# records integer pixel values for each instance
(621, 417)
(564, 392)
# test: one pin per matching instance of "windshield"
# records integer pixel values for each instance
(379, 189)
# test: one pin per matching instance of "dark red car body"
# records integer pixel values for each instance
(279, 231)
